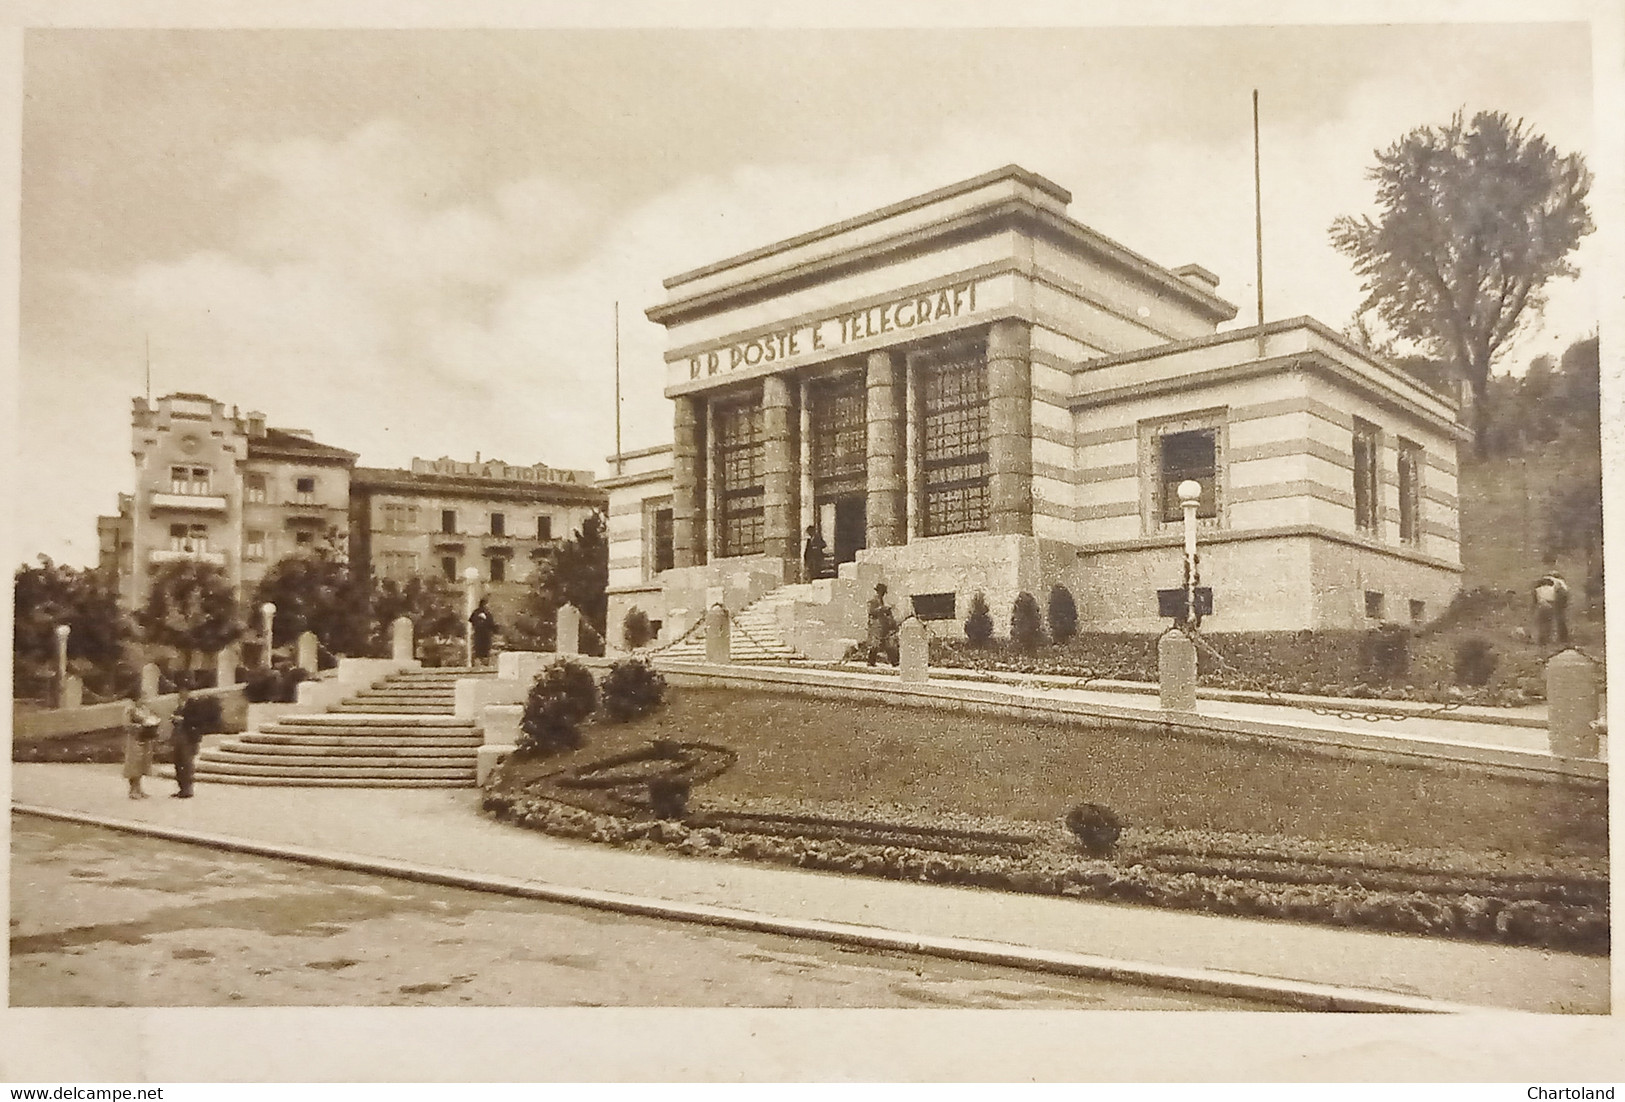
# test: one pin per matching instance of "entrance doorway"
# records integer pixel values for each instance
(850, 528)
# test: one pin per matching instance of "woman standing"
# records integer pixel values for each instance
(140, 735)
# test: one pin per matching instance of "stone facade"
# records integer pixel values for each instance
(971, 392)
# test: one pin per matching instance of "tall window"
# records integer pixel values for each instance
(664, 557)
(499, 568)
(839, 430)
(189, 480)
(448, 568)
(254, 488)
(739, 476)
(190, 538)
(499, 524)
(448, 521)
(953, 408)
(1366, 484)
(1410, 492)
(254, 545)
(544, 528)
(1191, 455)
(304, 490)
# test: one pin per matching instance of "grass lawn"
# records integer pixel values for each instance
(842, 752)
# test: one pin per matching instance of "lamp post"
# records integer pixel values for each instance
(267, 614)
(62, 631)
(1190, 497)
(471, 579)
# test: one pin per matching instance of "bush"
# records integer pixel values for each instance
(1026, 626)
(1386, 653)
(1475, 661)
(632, 688)
(635, 629)
(1096, 826)
(562, 696)
(979, 623)
(668, 797)
(277, 685)
(1063, 614)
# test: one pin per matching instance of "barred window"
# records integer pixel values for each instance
(739, 477)
(953, 406)
(1366, 437)
(1410, 492)
(838, 421)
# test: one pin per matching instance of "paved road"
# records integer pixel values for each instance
(101, 918)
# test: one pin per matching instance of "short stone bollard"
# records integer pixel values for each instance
(912, 651)
(717, 633)
(149, 679)
(226, 661)
(400, 640)
(567, 632)
(1571, 705)
(1176, 671)
(307, 652)
(72, 692)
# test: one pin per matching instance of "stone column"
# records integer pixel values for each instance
(884, 506)
(687, 520)
(717, 633)
(808, 511)
(1571, 705)
(779, 475)
(1010, 428)
(913, 649)
(911, 450)
(710, 499)
(567, 630)
(400, 639)
(226, 661)
(307, 652)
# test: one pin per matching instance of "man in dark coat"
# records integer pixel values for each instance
(185, 735)
(882, 637)
(812, 556)
(483, 626)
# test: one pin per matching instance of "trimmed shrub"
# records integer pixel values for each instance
(979, 622)
(1386, 653)
(632, 688)
(1026, 625)
(636, 630)
(277, 685)
(1063, 614)
(1095, 826)
(562, 696)
(1475, 661)
(668, 797)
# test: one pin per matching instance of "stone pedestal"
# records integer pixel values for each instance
(71, 693)
(717, 636)
(401, 641)
(1176, 672)
(307, 652)
(149, 679)
(226, 662)
(568, 631)
(1571, 705)
(912, 650)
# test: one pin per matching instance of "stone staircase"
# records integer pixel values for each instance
(400, 733)
(756, 636)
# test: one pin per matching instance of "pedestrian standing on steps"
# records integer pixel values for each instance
(483, 626)
(812, 556)
(882, 636)
(1551, 597)
(184, 737)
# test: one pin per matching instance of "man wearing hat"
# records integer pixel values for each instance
(882, 638)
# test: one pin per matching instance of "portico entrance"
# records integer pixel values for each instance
(836, 426)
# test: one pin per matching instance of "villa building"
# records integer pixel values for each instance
(970, 391)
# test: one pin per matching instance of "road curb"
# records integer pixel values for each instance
(1300, 994)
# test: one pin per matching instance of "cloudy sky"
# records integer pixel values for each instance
(411, 242)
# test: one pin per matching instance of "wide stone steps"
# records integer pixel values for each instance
(399, 733)
(755, 633)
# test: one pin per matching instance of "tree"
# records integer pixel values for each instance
(190, 607)
(1063, 614)
(577, 573)
(1475, 219)
(314, 591)
(46, 595)
(1026, 625)
(428, 600)
(978, 622)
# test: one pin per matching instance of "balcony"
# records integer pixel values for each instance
(218, 558)
(196, 503)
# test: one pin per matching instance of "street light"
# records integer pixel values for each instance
(1190, 497)
(471, 579)
(62, 631)
(267, 614)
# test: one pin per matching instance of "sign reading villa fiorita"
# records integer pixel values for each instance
(836, 330)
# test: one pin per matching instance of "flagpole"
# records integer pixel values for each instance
(618, 460)
(1258, 210)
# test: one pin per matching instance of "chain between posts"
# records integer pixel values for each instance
(1263, 686)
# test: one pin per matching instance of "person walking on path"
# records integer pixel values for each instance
(882, 637)
(184, 737)
(140, 736)
(1551, 598)
(483, 626)
(812, 556)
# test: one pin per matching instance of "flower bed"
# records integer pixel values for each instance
(1560, 904)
